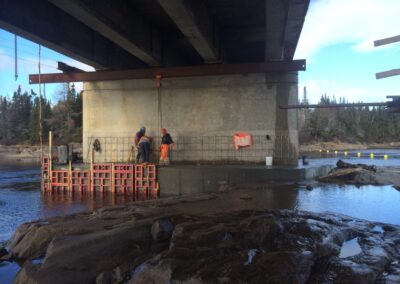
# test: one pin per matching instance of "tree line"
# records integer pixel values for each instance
(347, 124)
(19, 120)
(20, 113)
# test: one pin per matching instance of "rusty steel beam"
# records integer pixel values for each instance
(332, 105)
(170, 72)
(388, 40)
(389, 73)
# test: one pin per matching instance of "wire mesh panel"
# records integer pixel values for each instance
(213, 149)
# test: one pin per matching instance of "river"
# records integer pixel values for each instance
(22, 201)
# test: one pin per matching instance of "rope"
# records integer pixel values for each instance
(40, 108)
(16, 57)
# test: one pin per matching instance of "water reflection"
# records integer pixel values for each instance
(8, 271)
(374, 203)
(55, 204)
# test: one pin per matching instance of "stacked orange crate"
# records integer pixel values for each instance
(59, 180)
(80, 181)
(123, 178)
(45, 173)
(101, 177)
(146, 185)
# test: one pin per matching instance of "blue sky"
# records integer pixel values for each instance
(337, 41)
(28, 64)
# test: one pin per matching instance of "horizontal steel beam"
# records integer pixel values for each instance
(388, 40)
(332, 105)
(170, 72)
(389, 73)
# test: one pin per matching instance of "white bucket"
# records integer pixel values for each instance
(268, 161)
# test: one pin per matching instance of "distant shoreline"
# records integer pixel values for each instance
(31, 153)
(21, 153)
(317, 146)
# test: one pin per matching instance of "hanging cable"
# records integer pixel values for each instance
(159, 102)
(40, 108)
(16, 57)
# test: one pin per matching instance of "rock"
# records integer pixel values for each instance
(309, 187)
(161, 230)
(246, 197)
(361, 174)
(224, 188)
(343, 165)
(26, 274)
(150, 244)
(106, 277)
(3, 252)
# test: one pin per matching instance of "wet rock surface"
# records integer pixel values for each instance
(155, 242)
(362, 174)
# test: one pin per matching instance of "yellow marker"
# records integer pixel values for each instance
(320, 150)
(345, 153)
(336, 152)
(327, 151)
(385, 157)
(359, 154)
(371, 155)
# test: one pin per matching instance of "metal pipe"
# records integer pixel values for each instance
(332, 105)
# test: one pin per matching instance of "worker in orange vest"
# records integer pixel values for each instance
(166, 144)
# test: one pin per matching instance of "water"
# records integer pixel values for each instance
(22, 201)
(323, 158)
(350, 248)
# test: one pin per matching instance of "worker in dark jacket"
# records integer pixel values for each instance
(144, 148)
(138, 136)
(166, 144)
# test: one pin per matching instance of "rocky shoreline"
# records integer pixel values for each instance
(360, 174)
(21, 153)
(183, 239)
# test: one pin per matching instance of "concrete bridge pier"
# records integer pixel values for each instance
(286, 146)
(201, 113)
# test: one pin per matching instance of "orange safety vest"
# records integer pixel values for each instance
(164, 151)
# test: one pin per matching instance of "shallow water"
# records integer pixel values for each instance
(323, 158)
(22, 201)
(350, 248)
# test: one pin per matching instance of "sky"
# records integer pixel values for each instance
(337, 42)
(28, 56)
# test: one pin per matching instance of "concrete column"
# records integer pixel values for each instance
(286, 143)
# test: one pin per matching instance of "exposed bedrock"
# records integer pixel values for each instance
(153, 242)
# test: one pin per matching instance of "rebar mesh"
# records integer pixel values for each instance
(194, 149)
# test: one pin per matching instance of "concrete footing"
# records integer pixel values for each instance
(186, 179)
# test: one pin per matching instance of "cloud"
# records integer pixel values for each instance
(316, 88)
(357, 22)
(28, 64)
